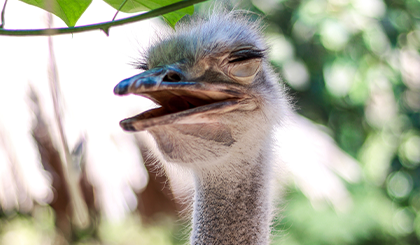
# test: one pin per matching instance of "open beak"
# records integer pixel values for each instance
(182, 101)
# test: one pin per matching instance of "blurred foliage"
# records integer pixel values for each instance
(354, 66)
(38, 229)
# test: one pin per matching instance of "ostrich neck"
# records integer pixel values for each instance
(233, 207)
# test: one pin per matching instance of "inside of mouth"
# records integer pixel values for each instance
(173, 101)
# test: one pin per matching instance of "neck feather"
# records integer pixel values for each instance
(233, 207)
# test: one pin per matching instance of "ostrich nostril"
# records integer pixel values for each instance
(171, 76)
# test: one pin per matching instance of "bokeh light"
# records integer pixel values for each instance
(399, 184)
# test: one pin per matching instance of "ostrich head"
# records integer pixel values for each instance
(217, 93)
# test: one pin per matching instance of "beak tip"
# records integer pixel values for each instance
(127, 127)
(122, 87)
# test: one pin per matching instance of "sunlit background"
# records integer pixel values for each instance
(348, 163)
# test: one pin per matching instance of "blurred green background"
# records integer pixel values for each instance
(352, 66)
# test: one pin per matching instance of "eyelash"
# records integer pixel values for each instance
(246, 55)
(142, 66)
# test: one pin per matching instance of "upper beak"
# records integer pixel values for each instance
(152, 83)
(157, 78)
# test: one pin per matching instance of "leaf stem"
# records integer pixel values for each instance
(2, 14)
(121, 6)
(103, 25)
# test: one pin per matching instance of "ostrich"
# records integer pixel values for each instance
(219, 104)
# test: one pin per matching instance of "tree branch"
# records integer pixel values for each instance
(105, 26)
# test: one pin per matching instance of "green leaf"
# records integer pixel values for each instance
(133, 6)
(173, 17)
(67, 10)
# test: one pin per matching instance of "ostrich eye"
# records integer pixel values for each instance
(245, 69)
(245, 63)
